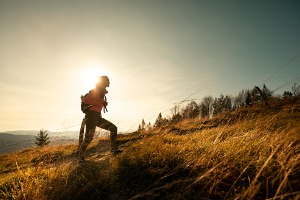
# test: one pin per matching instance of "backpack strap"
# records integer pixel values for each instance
(104, 107)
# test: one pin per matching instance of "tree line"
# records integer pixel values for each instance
(209, 106)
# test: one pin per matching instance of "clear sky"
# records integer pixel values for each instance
(156, 53)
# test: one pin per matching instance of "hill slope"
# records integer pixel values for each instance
(8, 142)
(252, 153)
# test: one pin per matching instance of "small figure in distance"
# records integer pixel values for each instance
(96, 100)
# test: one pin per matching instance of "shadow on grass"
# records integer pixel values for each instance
(90, 180)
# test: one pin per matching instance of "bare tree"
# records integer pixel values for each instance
(175, 110)
(206, 106)
(296, 90)
(240, 99)
(175, 114)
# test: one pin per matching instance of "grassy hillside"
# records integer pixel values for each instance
(252, 153)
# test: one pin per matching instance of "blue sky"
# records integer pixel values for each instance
(156, 53)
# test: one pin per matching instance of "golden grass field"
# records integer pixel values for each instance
(251, 153)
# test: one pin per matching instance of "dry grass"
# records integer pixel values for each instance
(252, 153)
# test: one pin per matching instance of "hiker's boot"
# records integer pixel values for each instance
(113, 143)
(81, 155)
(113, 140)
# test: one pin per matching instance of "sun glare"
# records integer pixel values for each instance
(89, 76)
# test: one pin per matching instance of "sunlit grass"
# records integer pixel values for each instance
(252, 153)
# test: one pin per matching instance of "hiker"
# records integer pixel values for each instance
(96, 100)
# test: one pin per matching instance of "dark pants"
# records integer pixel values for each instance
(93, 119)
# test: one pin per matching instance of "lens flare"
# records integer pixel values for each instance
(90, 74)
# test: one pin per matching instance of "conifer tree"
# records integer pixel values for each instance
(267, 93)
(248, 100)
(42, 138)
(158, 121)
(287, 94)
(148, 127)
(143, 124)
(139, 128)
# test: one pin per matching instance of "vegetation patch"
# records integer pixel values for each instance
(248, 154)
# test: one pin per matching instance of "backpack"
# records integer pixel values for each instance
(85, 107)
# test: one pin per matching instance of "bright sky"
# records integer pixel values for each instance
(156, 53)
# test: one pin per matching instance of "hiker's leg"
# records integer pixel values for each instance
(92, 118)
(81, 133)
(107, 125)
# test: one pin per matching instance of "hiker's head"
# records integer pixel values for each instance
(103, 82)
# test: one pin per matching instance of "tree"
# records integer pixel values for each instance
(42, 138)
(176, 117)
(218, 105)
(175, 110)
(143, 125)
(159, 121)
(287, 94)
(148, 126)
(240, 99)
(255, 95)
(266, 93)
(227, 103)
(222, 104)
(248, 100)
(139, 128)
(296, 90)
(206, 106)
(190, 111)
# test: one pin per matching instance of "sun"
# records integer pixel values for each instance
(89, 75)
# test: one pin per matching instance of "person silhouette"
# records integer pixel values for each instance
(96, 101)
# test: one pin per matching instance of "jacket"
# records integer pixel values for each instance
(96, 98)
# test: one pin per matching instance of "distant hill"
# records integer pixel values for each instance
(70, 134)
(22, 132)
(13, 141)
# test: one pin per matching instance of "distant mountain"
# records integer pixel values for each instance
(22, 132)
